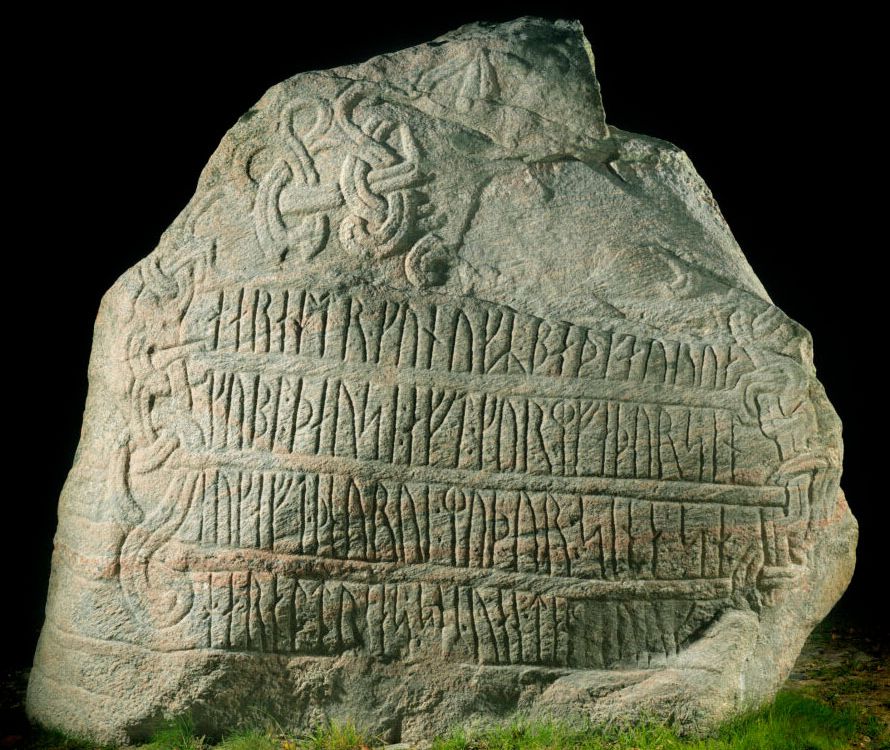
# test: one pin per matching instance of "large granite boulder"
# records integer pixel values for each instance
(442, 399)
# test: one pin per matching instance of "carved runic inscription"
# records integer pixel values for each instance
(454, 479)
(418, 475)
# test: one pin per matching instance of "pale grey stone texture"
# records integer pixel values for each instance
(442, 399)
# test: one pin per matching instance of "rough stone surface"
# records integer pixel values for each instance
(442, 399)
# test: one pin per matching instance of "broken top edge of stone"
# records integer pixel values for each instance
(550, 61)
(513, 29)
(520, 29)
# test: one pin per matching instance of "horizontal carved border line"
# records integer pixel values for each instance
(651, 490)
(193, 558)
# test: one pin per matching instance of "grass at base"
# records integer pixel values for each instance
(794, 721)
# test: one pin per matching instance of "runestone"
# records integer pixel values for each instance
(440, 401)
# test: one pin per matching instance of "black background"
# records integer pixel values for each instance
(112, 120)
